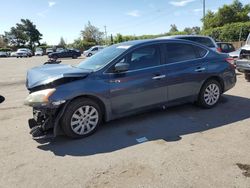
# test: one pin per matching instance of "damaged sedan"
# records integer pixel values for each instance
(124, 79)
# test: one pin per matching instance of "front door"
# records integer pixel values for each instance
(143, 85)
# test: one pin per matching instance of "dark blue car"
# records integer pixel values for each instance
(124, 79)
(65, 53)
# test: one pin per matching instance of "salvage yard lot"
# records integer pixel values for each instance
(187, 146)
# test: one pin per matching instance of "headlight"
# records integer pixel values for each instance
(39, 97)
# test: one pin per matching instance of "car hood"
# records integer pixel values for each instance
(47, 74)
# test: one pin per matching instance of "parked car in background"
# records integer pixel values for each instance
(235, 55)
(13, 54)
(49, 50)
(65, 53)
(39, 52)
(124, 79)
(243, 62)
(3, 54)
(59, 49)
(226, 47)
(204, 40)
(23, 52)
(9, 53)
(93, 50)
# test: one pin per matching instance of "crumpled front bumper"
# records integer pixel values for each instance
(42, 123)
(45, 122)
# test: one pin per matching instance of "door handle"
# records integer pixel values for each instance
(201, 69)
(159, 77)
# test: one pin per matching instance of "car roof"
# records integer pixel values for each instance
(159, 40)
(223, 43)
(182, 36)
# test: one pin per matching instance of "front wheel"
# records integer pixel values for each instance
(210, 94)
(81, 118)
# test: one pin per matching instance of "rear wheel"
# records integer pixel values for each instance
(89, 55)
(81, 118)
(74, 56)
(210, 94)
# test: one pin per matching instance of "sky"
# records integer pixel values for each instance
(66, 18)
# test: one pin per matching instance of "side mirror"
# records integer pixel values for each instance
(121, 67)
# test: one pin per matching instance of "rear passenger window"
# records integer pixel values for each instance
(176, 52)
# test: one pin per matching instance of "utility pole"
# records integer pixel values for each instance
(105, 27)
(204, 10)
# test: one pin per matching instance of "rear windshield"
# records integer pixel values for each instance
(201, 40)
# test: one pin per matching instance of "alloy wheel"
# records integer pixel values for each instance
(84, 120)
(212, 94)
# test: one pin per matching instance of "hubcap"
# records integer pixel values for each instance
(84, 120)
(212, 94)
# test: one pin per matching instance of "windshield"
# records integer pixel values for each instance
(103, 57)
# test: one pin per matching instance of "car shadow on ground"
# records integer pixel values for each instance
(169, 125)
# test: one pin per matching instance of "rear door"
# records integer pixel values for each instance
(143, 85)
(185, 70)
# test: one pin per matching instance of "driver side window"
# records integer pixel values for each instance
(144, 57)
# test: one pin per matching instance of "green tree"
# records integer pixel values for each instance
(81, 44)
(119, 38)
(111, 39)
(24, 33)
(92, 34)
(173, 28)
(196, 30)
(16, 37)
(62, 43)
(3, 43)
(227, 14)
(32, 33)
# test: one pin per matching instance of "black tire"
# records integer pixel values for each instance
(201, 99)
(74, 56)
(71, 109)
(89, 55)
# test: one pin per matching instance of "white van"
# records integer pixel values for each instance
(93, 50)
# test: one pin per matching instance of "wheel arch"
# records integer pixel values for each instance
(97, 100)
(218, 79)
(57, 128)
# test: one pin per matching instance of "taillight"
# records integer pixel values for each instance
(219, 50)
(231, 60)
